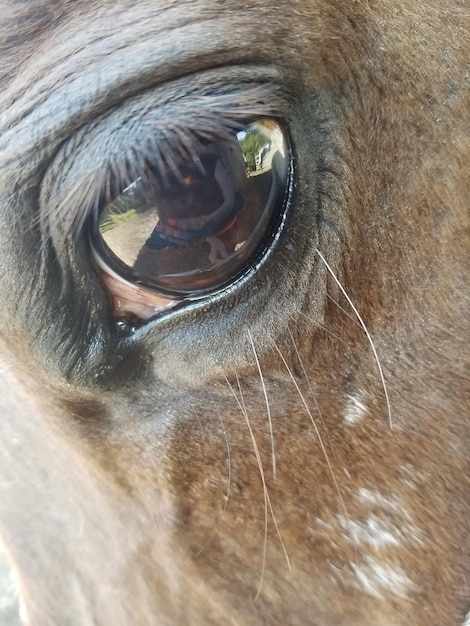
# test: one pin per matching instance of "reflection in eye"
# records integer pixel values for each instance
(195, 225)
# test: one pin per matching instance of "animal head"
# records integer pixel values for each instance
(260, 414)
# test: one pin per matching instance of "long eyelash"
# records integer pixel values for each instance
(169, 141)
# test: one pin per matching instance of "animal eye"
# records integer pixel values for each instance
(192, 223)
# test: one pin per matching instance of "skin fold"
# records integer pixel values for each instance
(294, 448)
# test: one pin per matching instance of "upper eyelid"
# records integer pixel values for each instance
(37, 152)
(121, 140)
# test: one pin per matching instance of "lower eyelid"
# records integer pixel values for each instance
(131, 301)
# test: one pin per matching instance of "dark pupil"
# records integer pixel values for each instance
(196, 225)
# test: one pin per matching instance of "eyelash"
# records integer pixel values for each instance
(68, 198)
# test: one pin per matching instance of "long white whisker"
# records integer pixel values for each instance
(322, 326)
(268, 409)
(267, 500)
(312, 393)
(229, 475)
(241, 404)
(343, 310)
(229, 454)
(317, 432)
(332, 334)
(364, 327)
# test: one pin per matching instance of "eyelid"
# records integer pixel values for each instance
(115, 146)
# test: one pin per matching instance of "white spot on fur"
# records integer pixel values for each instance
(389, 520)
(467, 620)
(372, 531)
(380, 580)
(375, 498)
(381, 530)
(355, 410)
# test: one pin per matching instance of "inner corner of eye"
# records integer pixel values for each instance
(193, 220)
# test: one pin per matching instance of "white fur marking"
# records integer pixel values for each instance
(372, 531)
(467, 620)
(355, 410)
(380, 580)
(391, 521)
(383, 529)
(375, 498)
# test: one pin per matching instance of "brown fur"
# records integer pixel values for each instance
(130, 488)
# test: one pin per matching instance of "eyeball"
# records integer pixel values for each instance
(196, 224)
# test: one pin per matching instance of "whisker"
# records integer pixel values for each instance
(268, 408)
(317, 432)
(241, 404)
(312, 393)
(229, 475)
(229, 453)
(343, 310)
(265, 487)
(267, 501)
(329, 332)
(319, 325)
(369, 338)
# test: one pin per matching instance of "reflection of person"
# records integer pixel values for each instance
(223, 171)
